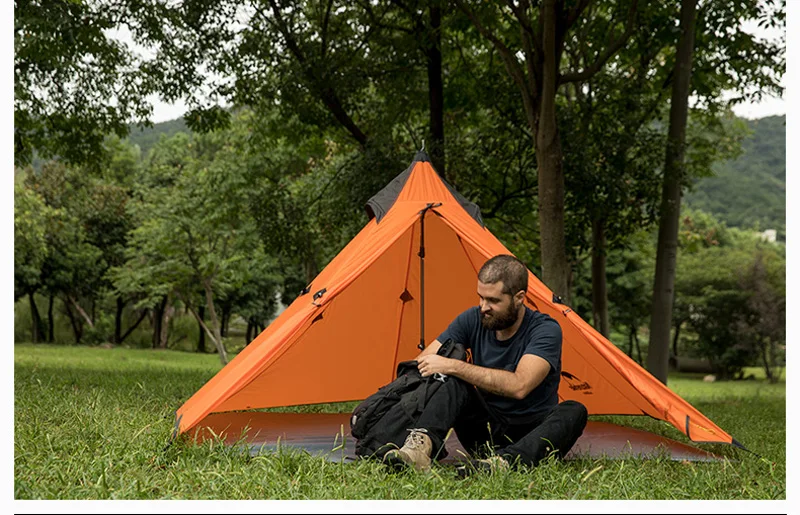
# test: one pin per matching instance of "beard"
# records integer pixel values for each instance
(503, 320)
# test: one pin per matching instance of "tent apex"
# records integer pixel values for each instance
(421, 156)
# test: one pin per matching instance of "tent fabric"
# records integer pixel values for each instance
(360, 317)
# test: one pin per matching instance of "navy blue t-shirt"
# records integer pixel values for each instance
(538, 334)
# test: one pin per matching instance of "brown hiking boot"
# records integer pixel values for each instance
(416, 452)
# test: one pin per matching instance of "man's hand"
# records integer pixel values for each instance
(530, 372)
(433, 364)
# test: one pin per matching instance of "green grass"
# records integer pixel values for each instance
(92, 423)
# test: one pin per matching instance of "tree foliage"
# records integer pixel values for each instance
(235, 209)
(73, 83)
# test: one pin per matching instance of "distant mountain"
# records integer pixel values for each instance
(750, 191)
(147, 137)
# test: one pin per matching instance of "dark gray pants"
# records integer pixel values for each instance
(457, 404)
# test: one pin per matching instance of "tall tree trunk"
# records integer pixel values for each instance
(667, 250)
(217, 335)
(36, 320)
(436, 88)
(50, 320)
(201, 339)
(599, 285)
(555, 267)
(118, 320)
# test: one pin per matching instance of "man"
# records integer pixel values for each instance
(505, 403)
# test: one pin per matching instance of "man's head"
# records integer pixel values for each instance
(502, 283)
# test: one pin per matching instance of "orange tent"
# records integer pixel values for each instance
(399, 283)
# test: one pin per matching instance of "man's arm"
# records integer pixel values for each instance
(432, 348)
(531, 371)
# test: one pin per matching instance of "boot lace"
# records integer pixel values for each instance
(415, 439)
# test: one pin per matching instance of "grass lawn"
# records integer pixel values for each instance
(92, 423)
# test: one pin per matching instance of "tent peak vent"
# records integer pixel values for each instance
(421, 156)
(380, 203)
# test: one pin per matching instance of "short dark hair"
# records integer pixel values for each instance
(508, 269)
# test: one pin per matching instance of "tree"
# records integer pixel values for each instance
(73, 83)
(765, 329)
(666, 256)
(540, 39)
(74, 267)
(193, 235)
(730, 59)
(31, 222)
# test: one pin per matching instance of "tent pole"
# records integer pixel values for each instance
(421, 255)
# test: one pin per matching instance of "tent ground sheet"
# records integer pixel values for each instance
(328, 435)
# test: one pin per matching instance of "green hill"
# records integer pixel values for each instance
(750, 191)
(147, 137)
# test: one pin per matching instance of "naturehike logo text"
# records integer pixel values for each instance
(573, 383)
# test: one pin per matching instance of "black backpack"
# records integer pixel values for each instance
(380, 423)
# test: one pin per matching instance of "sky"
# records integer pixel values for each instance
(769, 106)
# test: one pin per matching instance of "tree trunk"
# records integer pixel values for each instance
(217, 334)
(630, 342)
(169, 310)
(310, 265)
(76, 324)
(36, 320)
(201, 339)
(555, 267)
(50, 320)
(666, 257)
(80, 311)
(765, 345)
(225, 320)
(118, 320)
(599, 285)
(676, 336)
(436, 88)
(638, 347)
(134, 326)
(158, 315)
(247, 339)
